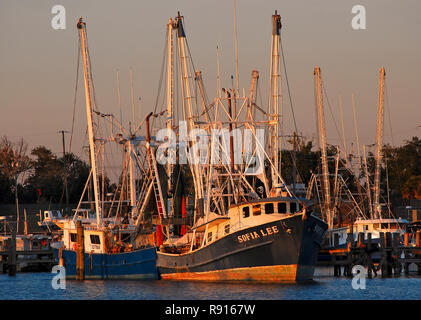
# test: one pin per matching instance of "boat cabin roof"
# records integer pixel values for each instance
(274, 199)
(213, 220)
(372, 221)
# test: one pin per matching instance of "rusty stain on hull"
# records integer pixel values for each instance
(279, 273)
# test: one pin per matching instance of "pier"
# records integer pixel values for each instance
(30, 253)
(386, 255)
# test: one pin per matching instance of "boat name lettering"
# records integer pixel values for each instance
(257, 234)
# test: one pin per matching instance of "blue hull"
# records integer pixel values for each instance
(139, 264)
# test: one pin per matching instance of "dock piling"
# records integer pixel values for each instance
(11, 259)
(80, 258)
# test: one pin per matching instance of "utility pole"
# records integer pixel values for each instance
(65, 168)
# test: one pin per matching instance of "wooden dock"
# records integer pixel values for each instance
(34, 260)
(388, 254)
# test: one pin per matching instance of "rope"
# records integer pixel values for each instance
(286, 79)
(75, 95)
(161, 76)
(331, 113)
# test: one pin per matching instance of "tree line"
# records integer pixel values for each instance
(39, 176)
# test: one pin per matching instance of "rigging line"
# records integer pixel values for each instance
(75, 95)
(188, 48)
(331, 113)
(388, 113)
(286, 79)
(90, 69)
(161, 76)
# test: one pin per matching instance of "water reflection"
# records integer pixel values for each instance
(38, 286)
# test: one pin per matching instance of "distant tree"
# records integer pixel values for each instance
(404, 169)
(77, 172)
(46, 183)
(13, 163)
(412, 188)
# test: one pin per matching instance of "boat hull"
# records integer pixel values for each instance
(138, 264)
(282, 250)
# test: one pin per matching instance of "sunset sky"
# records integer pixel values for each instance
(38, 63)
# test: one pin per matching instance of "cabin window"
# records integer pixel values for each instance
(227, 229)
(73, 237)
(246, 212)
(393, 226)
(376, 225)
(293, 207)
(269, 208)
(95, 239)
(209, 237)
(385, 226)
(257, 210)
(282, 207)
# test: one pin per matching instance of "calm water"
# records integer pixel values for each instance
(38, 286)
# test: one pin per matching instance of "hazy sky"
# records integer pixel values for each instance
(38, 63)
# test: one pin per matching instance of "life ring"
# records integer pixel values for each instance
(44, 243)
(75, 246)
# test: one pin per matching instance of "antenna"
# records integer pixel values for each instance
(132, 95)
(218, 77)
(236, 48)
(119, 100)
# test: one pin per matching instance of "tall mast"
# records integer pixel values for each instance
(188, 99)
(170, 108)
(379, 141)
(357, 181)
(323, 146)
(87, 70)
(275, 106)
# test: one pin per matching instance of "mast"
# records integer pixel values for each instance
(252, 94)
(343, 130)
(356, 131)
(323, 146)
(357, 181)
(379, 141)
(275, 107)
(132, 181)
(187, 101)
(170, 110)
(370, 203)
(87, 71)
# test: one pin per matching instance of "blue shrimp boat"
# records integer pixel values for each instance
(108, 247)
